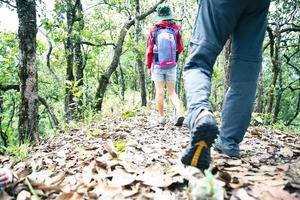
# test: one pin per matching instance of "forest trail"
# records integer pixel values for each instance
(144, 164)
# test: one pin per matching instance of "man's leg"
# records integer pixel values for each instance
(215, 21)
(245, 66)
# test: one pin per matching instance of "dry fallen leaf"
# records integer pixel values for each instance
(286, 152)
(243, 195)
(69, 196)
(224, 176)
(23, 195)
(276, 194)
(267, 168)
(155, 178)
(121, 178)
(165, 195)
(275, 182)
(234, 162)
(110, 149)
(105, 190)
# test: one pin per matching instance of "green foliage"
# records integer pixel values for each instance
(261, 119)
(120, 145)
(19, 152)
(94, 133)
(128, 114)
(9, 58)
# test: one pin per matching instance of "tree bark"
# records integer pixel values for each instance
(260, 96)
(79, 64)
(227, 62)
(274, 53)
(104, 79)
(3, 135)
(69, 53)
(278, 99)
(28, 114)
(123, 86)
(138, 62)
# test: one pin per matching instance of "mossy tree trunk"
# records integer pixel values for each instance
(28, 114)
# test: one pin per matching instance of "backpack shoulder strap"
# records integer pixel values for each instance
(174, 32)
(156, 29)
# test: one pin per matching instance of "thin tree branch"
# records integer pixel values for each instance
(288, 59)
(290, 30)
(9, 87)
(98, 45)
(85, 56)
(8, 3)
(53, 117)
(151, 10)
(266, 46)
(12, 115)
(296, 112)
(271, 36)
(48, 56)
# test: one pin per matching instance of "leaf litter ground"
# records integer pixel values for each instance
(136, 158)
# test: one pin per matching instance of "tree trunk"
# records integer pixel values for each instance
(79, 61)
(227, 62)
(123, 86)
(274, 53)
(104, 79)
(103, 82)
(3, 135)
(179, 86)
(28, 114)
(260, 96)
(69, 53)
(278, 100)
(138, 58)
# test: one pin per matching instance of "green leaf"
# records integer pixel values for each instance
(120, 145)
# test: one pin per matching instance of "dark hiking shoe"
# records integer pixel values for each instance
(179, 121)
(229, 152)
(203, 134)
(178, 118)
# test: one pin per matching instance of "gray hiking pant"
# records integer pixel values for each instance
(216, 20)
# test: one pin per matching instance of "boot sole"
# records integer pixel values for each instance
(179, 121)
(206, 132)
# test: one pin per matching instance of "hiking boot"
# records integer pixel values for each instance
(178, 118)
(203, 134)
(162, 120)
(231, 152)
(179, 121)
